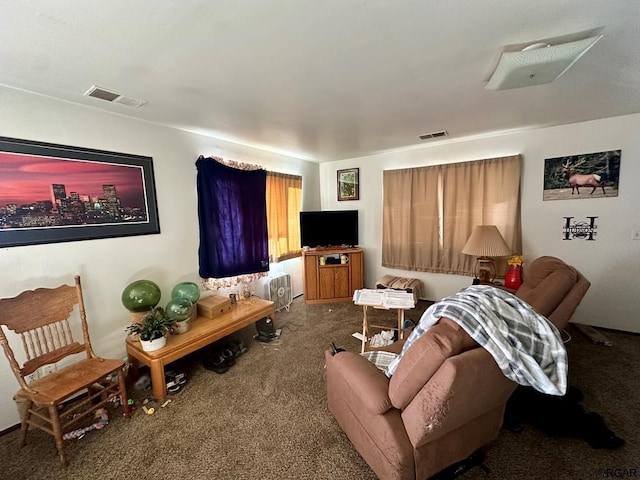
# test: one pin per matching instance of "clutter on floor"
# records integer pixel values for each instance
(143, 383)
(102, 420)
(174, 381)
(386, 337)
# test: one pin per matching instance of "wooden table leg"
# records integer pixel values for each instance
(134, 368)
(157, 380)
(400, 323)
(365, 329)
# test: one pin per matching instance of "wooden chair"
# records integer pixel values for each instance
(57, 402)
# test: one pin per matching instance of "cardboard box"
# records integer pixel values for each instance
(213, 306)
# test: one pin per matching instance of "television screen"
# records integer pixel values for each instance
(329, 228)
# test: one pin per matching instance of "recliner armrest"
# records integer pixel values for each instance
(366, 382)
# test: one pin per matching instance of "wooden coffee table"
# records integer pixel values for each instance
(203, 332)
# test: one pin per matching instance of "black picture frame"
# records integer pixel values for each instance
(29, 215)
(349, 184)
(582, 176)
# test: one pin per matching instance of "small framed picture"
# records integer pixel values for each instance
(348, 184)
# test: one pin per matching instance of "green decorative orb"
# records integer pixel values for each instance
(179, 309)
(186, 290)
(140, 296)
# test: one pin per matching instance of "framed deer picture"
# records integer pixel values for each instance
(588, 175)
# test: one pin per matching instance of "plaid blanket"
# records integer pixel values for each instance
(380, 358)
(525, 345)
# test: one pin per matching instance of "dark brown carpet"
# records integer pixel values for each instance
(266, 418)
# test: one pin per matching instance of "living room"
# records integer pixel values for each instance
(108, 265)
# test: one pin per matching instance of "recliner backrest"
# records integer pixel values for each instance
(465, 387)
(553, 288)
(423, 359)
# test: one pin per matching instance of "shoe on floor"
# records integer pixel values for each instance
(218, 360)
(174, 381)
(237, 347)
(215, 363)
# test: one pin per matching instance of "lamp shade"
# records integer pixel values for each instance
(486, 241)
(537, 64)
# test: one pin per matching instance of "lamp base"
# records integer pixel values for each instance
(485, 270)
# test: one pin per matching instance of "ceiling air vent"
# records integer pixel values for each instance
(129, 102)
(427, 136)
(109, 96)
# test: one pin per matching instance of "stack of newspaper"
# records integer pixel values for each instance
(386, 298)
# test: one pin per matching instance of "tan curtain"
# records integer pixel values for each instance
(410, 218)
(429, 212)
(284, 202)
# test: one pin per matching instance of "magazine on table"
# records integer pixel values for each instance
(386, 298)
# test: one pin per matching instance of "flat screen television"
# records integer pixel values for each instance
(330, 228)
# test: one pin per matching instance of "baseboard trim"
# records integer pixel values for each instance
(592, 334)
(9, 430)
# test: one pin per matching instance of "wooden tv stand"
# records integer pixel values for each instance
(326, 282)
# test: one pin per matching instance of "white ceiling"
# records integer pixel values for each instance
(321, 79)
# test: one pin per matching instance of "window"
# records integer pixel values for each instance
(284, 202)
(429, 212)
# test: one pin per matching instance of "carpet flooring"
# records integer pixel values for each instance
(266, 418)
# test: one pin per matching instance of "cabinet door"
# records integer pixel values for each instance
(327, 282)
(357, 271)
(310, 277)
(341, 281)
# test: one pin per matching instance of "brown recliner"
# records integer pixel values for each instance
(447, 396)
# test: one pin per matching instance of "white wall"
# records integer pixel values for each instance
(611, 263)
(108, 265)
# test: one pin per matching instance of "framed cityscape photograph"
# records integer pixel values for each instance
(348, 184)
(56, 193)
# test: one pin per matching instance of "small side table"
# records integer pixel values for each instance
(500, 286)
(366, 326)
(383, 300)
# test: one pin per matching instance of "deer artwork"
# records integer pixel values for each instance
(577, 180)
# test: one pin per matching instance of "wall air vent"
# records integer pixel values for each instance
(109, 96)
(427, 136)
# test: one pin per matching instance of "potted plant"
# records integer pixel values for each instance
(152, 329)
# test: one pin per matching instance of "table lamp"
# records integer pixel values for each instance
(485, 242)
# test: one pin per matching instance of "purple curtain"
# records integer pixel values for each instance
(232, 213)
